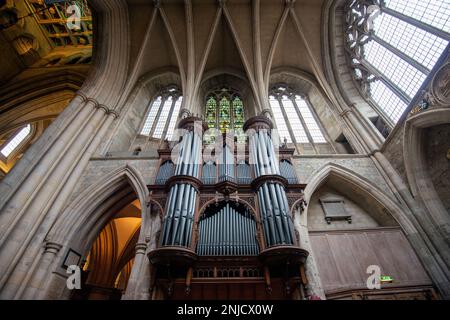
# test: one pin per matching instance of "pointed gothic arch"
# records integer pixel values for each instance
(416, 165)
(81, 222)
(349, 178)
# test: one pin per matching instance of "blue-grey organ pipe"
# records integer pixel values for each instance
(226, 168)
(227, 232)
(287, 171)
(209, 173)
(179, 232)
(180, 215)
(264, 218)
(243, 173)
(275, 216)
(285, 215)
(165, 172)
(180, 209)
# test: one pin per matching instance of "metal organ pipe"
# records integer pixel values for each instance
(192, 203)
(274, 208)
(179, 239)
(181, 204)
(227, 232)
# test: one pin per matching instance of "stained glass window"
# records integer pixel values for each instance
(53, 19)
(224, 114)
(224, 111)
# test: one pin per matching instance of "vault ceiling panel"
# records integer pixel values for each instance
(159, 52)
(271, 14)
(290, 50)
(177, 20)
(204, 17)
(224, 52)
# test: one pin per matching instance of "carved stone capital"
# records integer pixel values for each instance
(52, 247)
(141, 248)
(440, 85)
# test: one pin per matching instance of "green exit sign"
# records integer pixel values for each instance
(387, 279)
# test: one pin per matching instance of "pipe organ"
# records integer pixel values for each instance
(227, 213)
(179, 218)
(227, 231)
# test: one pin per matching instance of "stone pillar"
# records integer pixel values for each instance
(314, 286)
(33, 208)
(139, 276)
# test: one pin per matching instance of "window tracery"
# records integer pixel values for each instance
(393, 45)
(293, 116)
(162, 114)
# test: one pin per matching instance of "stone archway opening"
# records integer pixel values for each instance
(107, 268)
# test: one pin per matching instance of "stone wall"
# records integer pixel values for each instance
(362, 165)
(438, 139)
(316, 217)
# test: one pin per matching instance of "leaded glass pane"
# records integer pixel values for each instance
(163, 118)
(392, 105)
(404, 75)
(154, 108)
(294, 120)
(417, 43)
(282, 128)
(16, 141)
(310, 122)
(224, 114)
(173, 120)
(436, 13)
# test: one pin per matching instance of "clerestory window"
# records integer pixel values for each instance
(15, 142)
(162, 114)
(393, 46)
(294, 117)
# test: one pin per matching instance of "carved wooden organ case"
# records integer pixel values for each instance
(228, 220)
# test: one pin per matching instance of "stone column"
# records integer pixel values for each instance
(38, 202)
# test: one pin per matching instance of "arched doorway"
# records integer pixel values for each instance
(110, 260)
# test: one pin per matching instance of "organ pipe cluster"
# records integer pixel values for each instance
(165, 172)
(179, 218)
(226, 168)
(287, 171)
(274, 207)
(227, 232)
